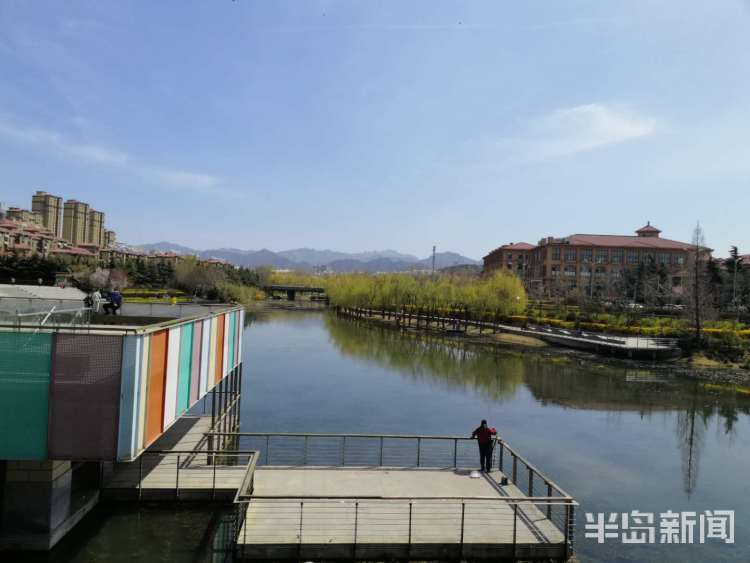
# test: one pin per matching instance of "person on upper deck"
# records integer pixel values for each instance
(484, 435)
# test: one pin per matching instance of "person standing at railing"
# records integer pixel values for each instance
(484, 436)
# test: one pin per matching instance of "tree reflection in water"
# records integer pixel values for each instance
(552, 378)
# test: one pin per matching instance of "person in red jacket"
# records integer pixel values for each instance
(484, 435)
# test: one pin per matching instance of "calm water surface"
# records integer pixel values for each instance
(617, 438)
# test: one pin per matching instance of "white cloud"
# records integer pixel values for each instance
(570, 131)
(183, 178)
(50, 139)
(60, 145)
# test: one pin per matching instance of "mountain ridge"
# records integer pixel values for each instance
(306, 258)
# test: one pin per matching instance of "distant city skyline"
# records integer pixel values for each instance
(381, 125)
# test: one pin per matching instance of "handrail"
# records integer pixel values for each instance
(532, 469)
(546, 479)
(184, 320)
(248, 481)
(511, 500)
(340, 435)
(123, 329)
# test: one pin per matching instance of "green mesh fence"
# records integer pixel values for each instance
(24, 394)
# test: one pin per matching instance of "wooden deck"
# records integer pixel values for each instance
(159, 475)
(361, 513)
(390, 513)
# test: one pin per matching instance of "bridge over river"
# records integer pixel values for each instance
(292, 290)
(357, 496)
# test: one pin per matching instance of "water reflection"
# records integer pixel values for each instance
(430, 357)
(552, 379)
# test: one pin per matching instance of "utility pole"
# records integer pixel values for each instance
(734, 253)
(433, 260)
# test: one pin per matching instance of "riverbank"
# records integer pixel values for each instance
(696, 367)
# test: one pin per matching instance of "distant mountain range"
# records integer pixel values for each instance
(309, 258)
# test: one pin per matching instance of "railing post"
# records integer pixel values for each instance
(356, 518)
(549, 503)
(140, 476)
(568, 529)
(213, 483)
(463, 515)
(515, 469)
(301, 508)
(380, 464)
(531, 482)
(304, 458)
(455, 453)
(500, 455)
(268, 449)
(408, 544)
(343, 452)
(515, 522)
(419, 450)
(177, 480)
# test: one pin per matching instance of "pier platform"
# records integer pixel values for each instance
(323, 497)
(386, 514)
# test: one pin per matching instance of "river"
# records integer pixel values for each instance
(616, 437)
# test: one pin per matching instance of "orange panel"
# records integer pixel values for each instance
(156, 380)
(219, 348)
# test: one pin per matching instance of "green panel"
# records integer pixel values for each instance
(186, 359)
(25, 361)
(232, 337)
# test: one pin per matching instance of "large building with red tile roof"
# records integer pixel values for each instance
(591, 263)
(512, 257)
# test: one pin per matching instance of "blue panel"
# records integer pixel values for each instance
(129, 397)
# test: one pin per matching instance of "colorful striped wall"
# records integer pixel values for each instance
(90, 396)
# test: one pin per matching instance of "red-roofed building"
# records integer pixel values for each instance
(512, 257)
(595, 263)
(592, 263)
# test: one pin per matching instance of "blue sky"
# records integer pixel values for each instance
(401, 124)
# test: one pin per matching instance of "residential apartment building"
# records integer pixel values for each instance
(95, 228)
(592, 264)
(110, 238)
(50, 208)
(75, 222)
(23, 215)
(512, 257)
(25, 238)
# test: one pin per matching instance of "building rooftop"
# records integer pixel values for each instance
(625, 241)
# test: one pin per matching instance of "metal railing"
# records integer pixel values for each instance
(168, 466)
(359, 450)
(411, 528)
(531, 494)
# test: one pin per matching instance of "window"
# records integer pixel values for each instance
(600, 271)
(616, 255)
(615, 273)
(570, 254)
(586, 271)
(555, 270)
(601, 255)
(676, 281)
(632, 256)
(663, 258)
(679, 259)
(587, 254)
(555, 252)
(570, 271)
